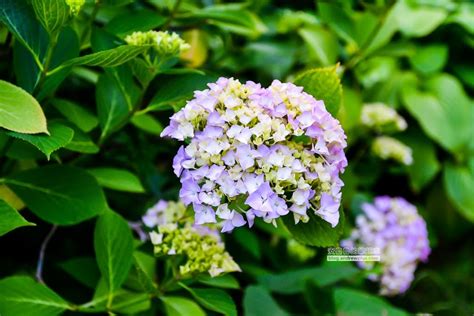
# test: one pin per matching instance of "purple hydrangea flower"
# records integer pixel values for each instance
(394, 226)
(244, 144)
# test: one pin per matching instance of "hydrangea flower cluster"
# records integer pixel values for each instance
(394, 226)
(200, 246)
(382, 118)
(261, 152)
(75, 5)
(390, 148)
(164, 43)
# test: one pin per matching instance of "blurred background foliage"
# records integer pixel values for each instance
(412, 55)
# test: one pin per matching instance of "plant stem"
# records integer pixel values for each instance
(39, 267)
(47, 62)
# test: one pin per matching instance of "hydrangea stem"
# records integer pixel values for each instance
(39, 267)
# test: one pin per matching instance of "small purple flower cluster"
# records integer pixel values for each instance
(394, 226)
(275, 149)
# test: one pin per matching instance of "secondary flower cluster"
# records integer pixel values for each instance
(164, 43)
(382, 118)
(264, 152)
(201, 248)
(387, 147)
(394, 226)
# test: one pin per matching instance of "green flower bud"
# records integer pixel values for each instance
(75, 5)
(163, 43)
(382, 118)
(390, 148)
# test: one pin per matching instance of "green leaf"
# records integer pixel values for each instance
(131, 303)
(316, 232)
(59, 194)
(248, 241)
(10, 219)
(385, 32)
(180, 306)
(425, 164)
(323, 84)
(66, 48)
(232, 18)
(225, 281)
(443, 113)
(139, 21)
(320, 300)
(113, 244)
(338, 19)
(430, 59)
(322, 44)
(113, 104)
(117, 179)
(82, 269)
(82, 143)
(142, 274)
(108, 58)
(293, 282)
(20, 20)
(176, 88)
(459, 184)
(354, 303)
(52, 14)
(257, 302)
(214, 300)
(20, 112)
(59, 136)
(21, 295)
(417, 21)
(147, 123)
(77, 114)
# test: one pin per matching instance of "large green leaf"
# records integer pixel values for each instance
(443, 113)
(143, 273)
(82, 143)
(20, 19)
(117, 179)
(321, 43)
(323, 84)
(82, 269)
(425, 164)
(113, 244)
(430, 59)
(417, 21)
(20, 112)
(214, 300)
(180, 306)
(147, 123)
(293, 282)
(176, 88)
(53, 14)
(21, 295)
(59, 136)
(257, 302)
(316, 232)
(355, 303)
(232, 18)
(459, 184)
(77, 114)
(140, 21)
(59, 194)
(113, 104)
(10, 218)
(108, 58)
(225, 281)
